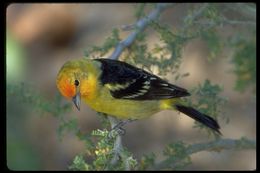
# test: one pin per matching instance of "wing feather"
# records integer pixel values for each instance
(128, 82)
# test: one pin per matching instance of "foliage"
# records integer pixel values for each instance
(147, 161)
(139, 12)
(244, 60)
(79, 164)
(109, 44)
(165, 57)
(99, 146)
(28, 94)
(213, 43)
(177, 155)
(209, 102)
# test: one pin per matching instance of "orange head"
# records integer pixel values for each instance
(72, 75)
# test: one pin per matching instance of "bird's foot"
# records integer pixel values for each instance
(118, 128)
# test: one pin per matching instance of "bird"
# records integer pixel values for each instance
(124, 91)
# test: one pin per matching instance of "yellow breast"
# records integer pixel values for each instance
(121, 108)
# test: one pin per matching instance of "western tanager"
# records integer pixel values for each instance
(122, 90)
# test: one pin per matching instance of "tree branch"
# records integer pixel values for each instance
(244, 9)
(118, 142)
(217, 146)
(238, 22)
(225, 21)
(140, 26)
(197, 14)
(192, 18)
(222, 144)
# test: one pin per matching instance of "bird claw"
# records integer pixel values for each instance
(118, 129)
(121, 131)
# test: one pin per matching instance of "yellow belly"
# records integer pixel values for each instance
(122, 108)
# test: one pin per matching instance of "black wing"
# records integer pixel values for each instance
(128, 82)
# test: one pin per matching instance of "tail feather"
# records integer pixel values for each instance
(198, 116)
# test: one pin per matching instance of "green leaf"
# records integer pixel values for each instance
(208, 102)
(213, 42)
(244, 61)
(67, 126)
(139, 10)
(147, 161)
(79, 164)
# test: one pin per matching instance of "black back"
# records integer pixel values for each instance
(138, 84)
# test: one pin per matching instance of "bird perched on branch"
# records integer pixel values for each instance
(123, 91)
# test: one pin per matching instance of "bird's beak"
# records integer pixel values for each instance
(76, 100)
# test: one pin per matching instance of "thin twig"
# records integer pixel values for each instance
(243, 9)
(239, 22)
(197, 14)
(118, 147)
(118, 142)
(225, 21)
(192, 18)
(217, 146)
(140, 26)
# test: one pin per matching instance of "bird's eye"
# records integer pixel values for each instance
(76, 82)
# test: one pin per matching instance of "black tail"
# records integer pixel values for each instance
(202, 118)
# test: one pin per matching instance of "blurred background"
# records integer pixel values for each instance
(41, 37)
